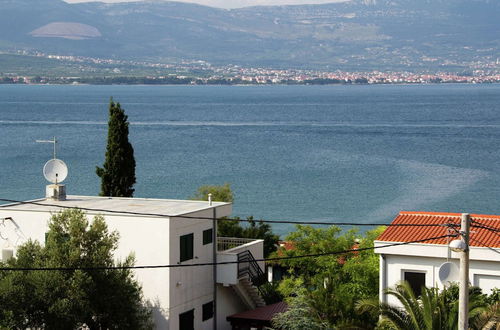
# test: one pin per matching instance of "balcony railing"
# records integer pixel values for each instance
(228, 243)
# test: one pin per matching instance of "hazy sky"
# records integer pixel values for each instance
(234, 3)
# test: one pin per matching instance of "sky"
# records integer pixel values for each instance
(233, 3)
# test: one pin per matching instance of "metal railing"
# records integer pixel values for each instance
(227, 243)
(248, 266)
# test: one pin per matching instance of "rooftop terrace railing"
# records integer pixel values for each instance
(227, 243)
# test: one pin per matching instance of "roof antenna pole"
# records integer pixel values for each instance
(53, 141)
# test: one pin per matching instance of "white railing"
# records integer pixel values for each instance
(227, 243)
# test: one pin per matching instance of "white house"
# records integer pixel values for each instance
(419, 263)
(184, 297)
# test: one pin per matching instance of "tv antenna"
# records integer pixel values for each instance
(53, 141)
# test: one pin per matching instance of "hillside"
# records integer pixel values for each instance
(358, 34)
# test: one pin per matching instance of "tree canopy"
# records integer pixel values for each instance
(118, 171)
(234, 228)
(66, 299)
(326, 288)
(221, 193)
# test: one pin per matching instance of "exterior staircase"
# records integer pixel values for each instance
(250, 277)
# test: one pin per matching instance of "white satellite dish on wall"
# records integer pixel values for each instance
(55, 171)
(448, 273)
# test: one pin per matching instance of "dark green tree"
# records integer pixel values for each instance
(118, 172)
(66, 299)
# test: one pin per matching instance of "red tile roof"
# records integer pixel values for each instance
(265, 313)
(478, 236)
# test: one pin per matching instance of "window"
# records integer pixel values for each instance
(416, 281)
(186, 320)
(208, 311)
(207, 236)
(186, 247)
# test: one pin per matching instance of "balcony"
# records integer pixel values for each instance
(228, 244)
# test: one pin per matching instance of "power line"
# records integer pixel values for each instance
(485, 245)
(315, 255)
(160, 215)
(484, 226)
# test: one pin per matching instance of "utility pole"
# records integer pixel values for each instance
(463, 302)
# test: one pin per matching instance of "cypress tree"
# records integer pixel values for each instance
(118, 172)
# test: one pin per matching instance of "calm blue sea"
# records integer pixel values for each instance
(346, 153)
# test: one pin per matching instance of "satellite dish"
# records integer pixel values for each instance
(448, 273)
(55, 171)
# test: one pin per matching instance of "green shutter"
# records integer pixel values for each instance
(208, 311)
(207, 236)
(186, 247)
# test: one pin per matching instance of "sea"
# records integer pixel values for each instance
(358, 153)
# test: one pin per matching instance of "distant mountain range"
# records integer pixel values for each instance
(353, 35)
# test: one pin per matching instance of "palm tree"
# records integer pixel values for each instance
(433, 310)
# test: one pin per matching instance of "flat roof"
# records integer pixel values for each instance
(115, 205)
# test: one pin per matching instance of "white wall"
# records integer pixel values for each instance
(228, 303)
(484, 273)
(191, 287)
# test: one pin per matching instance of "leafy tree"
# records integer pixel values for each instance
(330, 285)
(253, 229)
(434, 309)
(219, 193)
(298, 316)
(233, 228)
(66, 299)
(118, 172)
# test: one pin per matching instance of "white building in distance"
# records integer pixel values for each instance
(419, 263)
(183, 297)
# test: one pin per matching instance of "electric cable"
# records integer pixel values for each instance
(315, 255)
(223, 218)
(485, 245)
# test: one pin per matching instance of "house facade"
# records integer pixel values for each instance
(419, 263)
(161, 232)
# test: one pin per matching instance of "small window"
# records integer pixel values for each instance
(186, 320)
(416, 281)
(207, 236)
(186, 247)
(208, 311)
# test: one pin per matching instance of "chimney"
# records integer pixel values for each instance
(55, 192)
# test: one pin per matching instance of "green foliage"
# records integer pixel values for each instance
(219, 193)
(330, 285)
(434, 309)
(118, 172)
(107, 299)
(253, 229)
(270, 293)
(233, 228)
(298, 316)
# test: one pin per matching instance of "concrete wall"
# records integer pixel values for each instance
(190, 287)
(485, 274)
(228, 303)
